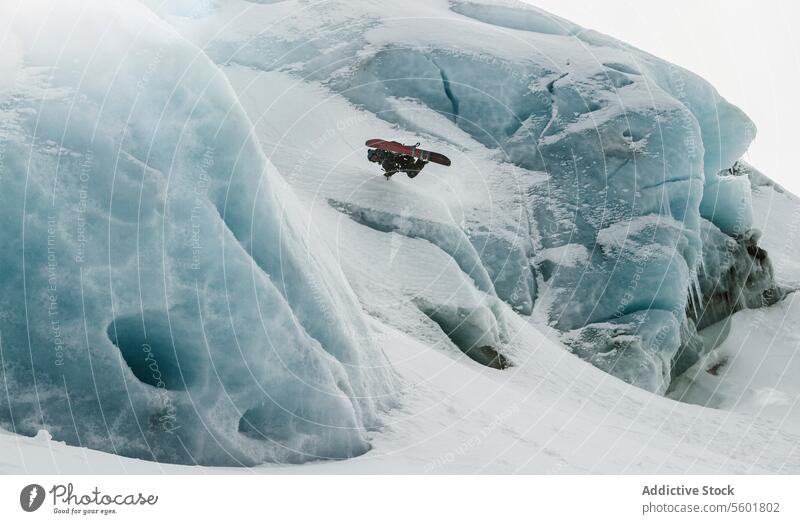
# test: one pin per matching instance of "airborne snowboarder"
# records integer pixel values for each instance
(394, 162)
(395, 157)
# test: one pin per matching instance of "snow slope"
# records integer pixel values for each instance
(572, 213)
(552, 413)
(752, 369)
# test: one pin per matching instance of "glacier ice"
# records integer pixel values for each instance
(735, 274)
(631, 147)
(639, 347)
(474, 323)
(447, 236)
(162, 293)
(186, 309)
(528, 19)
(624, 142)
(727, 203)
(635, 151)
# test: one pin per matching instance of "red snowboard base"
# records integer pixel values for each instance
(412, 151)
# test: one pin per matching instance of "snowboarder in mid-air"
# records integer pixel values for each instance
(395, 157)
(394, 162)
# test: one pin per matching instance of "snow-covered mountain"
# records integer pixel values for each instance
(199, 265)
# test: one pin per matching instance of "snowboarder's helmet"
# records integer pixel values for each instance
(371, 154)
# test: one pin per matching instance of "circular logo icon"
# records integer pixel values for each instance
(31, 497)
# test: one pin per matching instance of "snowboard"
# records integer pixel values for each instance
(412, 151)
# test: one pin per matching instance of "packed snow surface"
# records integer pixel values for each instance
(199, 266)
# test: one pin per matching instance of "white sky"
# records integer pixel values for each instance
(749, 50)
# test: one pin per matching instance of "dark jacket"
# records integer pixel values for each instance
(393, 163)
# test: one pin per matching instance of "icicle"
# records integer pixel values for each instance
(695, 292)
(702, 264)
